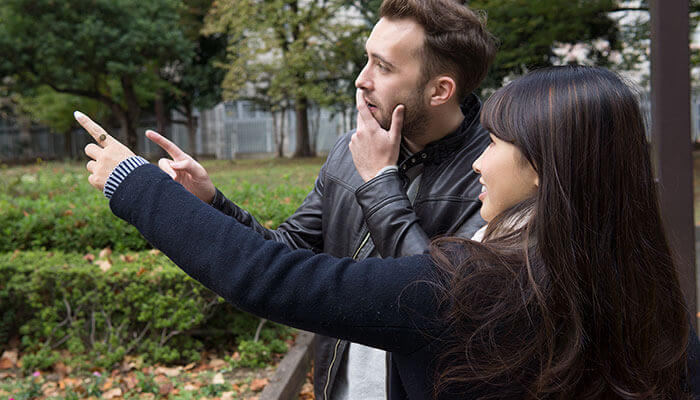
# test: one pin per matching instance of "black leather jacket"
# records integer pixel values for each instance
(342, 213)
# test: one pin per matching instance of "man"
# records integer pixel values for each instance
(415, 105)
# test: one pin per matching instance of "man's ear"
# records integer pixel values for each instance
(443, 90)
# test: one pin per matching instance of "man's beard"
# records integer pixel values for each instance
(415, 117)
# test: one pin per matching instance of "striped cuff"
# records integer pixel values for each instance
(119, 174)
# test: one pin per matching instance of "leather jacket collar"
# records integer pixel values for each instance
(438, 151)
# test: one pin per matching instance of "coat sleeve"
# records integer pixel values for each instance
(303, 229)
(391, 220)
(384, 303)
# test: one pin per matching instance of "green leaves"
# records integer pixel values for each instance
(59, 301)
(529, 29)
(39, 206)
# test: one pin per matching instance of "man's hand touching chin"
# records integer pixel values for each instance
(105, 155)
(372, 147)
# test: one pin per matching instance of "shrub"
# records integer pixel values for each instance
(64, 304)
(53, 207)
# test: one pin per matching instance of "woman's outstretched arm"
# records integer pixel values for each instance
(385, 303)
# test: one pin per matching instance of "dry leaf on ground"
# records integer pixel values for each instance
(112, 393)
(218, 379)
(6, 363)
(104, 265)
(258, 384)
(169, 372)
(228, 395)
(105, 252)
(165, 389)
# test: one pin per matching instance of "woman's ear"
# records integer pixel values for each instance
(444, 89)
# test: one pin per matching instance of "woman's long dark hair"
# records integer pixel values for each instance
(572, 293)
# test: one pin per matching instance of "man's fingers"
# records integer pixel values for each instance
(100, 135)
(93, 151)
(181, 164)
(91, 166)
(363, 111)
(165, 165)
(396, 123)
(170, 147)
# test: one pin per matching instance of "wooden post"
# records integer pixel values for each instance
(670, 107)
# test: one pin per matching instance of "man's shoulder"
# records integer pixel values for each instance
(340, 149)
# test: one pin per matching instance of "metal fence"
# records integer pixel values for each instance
(227, 131)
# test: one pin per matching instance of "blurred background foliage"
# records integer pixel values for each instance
(123, 59)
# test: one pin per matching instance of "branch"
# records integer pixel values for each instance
(138, 338)
(257, 331)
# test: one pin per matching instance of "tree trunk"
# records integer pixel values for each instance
(133, 113)
(280, 144)
(191, 131)
(68, 145)
(25, 139)
(161, 120)
(303, 149)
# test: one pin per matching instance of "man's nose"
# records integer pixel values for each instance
(363, 82)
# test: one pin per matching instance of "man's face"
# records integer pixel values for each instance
(393, 74)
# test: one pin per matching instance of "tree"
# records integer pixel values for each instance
(528, 31)
(103, 50)
(279, 48)
(195, 82)
(636, 36)
(54, 110)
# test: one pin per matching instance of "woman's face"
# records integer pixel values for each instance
(506, 176)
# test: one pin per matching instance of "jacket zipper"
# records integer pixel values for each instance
(357, 252)
(337, 344)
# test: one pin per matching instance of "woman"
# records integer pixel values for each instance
(571, 294)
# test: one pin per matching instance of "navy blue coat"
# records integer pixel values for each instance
(383, 303)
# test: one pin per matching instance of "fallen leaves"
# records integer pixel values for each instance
(218, 379)
(106, 252)
(104, 265)
(169, 372)
(132, 380)
(258, 384)
(112, 393)
(102, 260)
(165, 389)
(8, 359)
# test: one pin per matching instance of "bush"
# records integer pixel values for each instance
(53, 207)
(143, 304)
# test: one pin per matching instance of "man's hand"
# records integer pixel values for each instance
(372, 147)
(106, 154)
(184, 169)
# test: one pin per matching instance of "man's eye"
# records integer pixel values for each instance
(381, 66)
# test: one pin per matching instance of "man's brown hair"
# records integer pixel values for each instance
(456, 40)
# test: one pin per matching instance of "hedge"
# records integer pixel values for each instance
(54, 207)
(64, 305)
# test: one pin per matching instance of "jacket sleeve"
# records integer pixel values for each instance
(302, 230)
(392, 223)
(364, 302)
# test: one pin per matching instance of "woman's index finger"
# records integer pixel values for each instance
(95, 130)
